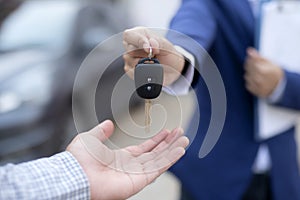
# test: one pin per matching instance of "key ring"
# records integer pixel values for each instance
(150, 55)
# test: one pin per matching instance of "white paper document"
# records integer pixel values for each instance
(280, 42)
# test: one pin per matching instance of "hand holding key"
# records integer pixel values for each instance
(137, 42)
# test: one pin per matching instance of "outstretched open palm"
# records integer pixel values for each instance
(118, 174)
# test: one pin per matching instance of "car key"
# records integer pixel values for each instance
(148, 76)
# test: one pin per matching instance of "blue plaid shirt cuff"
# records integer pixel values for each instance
(57, 177)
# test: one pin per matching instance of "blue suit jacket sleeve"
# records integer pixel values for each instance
(195, 27)
(291, 95)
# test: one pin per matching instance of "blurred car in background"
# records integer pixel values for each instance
(42, 44)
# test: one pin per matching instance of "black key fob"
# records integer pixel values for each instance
(148, 77)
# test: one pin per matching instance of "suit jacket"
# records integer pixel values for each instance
(225, 28)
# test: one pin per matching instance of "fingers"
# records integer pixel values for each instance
(137, 37)
(135, 52)
(162, 163)
(261, 75)
(252, 70)
(154, 43)
(150, 144)
(137, 42)
(97, 149)
(252, 78)
(251, 85)
(102, 131)
(132, 158)
(170, 152)
(253, 53)
(130, 63)
(182, 141)
(155, 168)
(162, 151)
(140, 39)
(174, 135)
(92, 141)
(159, 154)
(253, 57)
(158, 143)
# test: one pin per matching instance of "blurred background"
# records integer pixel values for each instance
(42, 45)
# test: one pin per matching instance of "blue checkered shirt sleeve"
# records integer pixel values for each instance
(56, 177)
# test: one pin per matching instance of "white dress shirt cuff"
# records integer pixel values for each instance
(182, 85)
(278, 91)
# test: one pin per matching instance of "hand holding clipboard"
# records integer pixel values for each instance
(279, 41)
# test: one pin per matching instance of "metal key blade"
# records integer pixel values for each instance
(148, 104)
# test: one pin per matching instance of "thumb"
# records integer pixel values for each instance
(92, 141)
(103, 131)
(253, 53)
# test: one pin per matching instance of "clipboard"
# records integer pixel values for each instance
(278, 39)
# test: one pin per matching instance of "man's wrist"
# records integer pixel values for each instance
(182, 85)
(277, 93)
(74, 177)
